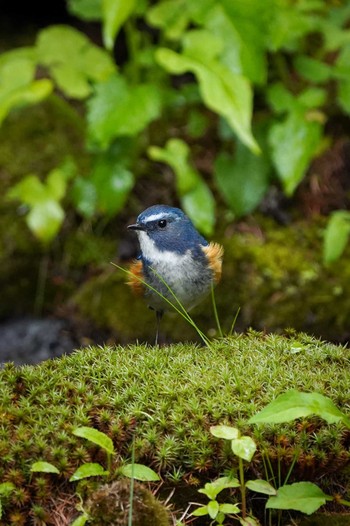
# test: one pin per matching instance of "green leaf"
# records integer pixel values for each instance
(89, 469)
(243, 179)
(139, 472)
(90, 10)
(280, 99)
(200, 512)
(73, 60)
(213, 508)
(113, 183)
(301, 496)
(212, 489)
(242, 33)
(45, 219)
(294, 143)
(84, 196)
(172, 15)
(81, 520)
(226, 432)
(294, 404)
(336, 236)
(17, 84)
(244, 447)
(44, 467)
(312, 69)
(95, 436)
(118, 109)
(229, 508)
(196, 197)
(224, 92)
(261, 486)
(115, 13)
(199, 205)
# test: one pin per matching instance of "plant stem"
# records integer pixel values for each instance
(217, 320)
(242, 488)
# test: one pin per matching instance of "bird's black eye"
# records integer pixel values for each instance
(162, 223)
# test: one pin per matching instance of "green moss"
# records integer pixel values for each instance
(167, 398)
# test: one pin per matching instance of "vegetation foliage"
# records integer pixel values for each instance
(262, 78)
(165, 416)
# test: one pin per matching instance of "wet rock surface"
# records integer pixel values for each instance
(32, 340)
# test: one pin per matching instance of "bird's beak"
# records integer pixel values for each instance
(136, 226)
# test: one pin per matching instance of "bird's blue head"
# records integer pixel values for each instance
(167, 229)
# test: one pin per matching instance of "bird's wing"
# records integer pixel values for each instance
(136, 277)
(214, 253)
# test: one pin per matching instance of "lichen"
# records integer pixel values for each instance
(110, 504)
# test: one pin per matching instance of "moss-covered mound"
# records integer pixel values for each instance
(167, 398)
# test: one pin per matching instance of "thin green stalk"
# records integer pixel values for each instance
(296, 456)
(132, 483)
(215, 310)
(233, 324)
(242, 488)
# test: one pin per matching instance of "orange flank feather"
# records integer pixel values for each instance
(214, 253)
(136, 274)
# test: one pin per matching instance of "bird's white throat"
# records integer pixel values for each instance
(160, 257)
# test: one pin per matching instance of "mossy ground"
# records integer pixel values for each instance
(166, 398)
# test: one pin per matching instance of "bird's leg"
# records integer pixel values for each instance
(159, 315)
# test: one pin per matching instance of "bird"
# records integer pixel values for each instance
(175, 261)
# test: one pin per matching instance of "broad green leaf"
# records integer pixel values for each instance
(294, 404)
(196, 197)
(229, 508)
(213, 508)
(17, 84)
(261, 486)
(341, 72)
(199, 205)
(176, 154)
(312, 97)
(242, 179)
(84, 196)
(113, 183)
(226, 432)
(200, 512)
(280, 99)
(115, 13)
(212, 489)
(118, 109)
(139, 472)
(301, 496)
(242, 35)
(81, 520)
(172, 16)
(336, 236)
(45, 219)
(44, 467)
(312, 69)
(224, 92)
(244, 447)
(73, 60)
(95, 436)
(30, 190)
(6, 488)
(90, 10)
(89, 469)
(294, 143)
